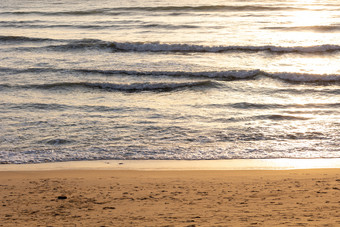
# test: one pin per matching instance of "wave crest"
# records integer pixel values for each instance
(133, 87)
(317, 28)
(199, 8)
(228, 75)
(95, 44)
(22, 39)
(189, 48)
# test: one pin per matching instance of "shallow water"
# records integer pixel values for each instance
(84, 80)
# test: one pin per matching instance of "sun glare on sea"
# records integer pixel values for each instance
(311, 14)
(309, 26)
(309, 18)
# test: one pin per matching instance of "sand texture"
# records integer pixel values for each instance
(170, 198)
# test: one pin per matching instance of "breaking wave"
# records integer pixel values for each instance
(98, 26)
(188, 48)
(95, 44)
(133, 87)
(120, 10)
(22, 39)
(317, 28)
(228, 75)
(247, 105)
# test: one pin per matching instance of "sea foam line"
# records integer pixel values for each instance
(316, 28)
(4, 38)
(95, 44)
(188, 48)
(219, 75)
(200, 8)
(131, 87)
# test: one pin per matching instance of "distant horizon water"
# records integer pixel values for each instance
(169, 80)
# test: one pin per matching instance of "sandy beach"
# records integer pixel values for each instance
(171, 198)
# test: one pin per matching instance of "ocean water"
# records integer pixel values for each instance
(161, 79)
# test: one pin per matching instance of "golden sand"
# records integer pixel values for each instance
(170, 198)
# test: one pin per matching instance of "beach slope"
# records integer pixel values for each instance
(170, 198)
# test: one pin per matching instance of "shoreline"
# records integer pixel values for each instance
(180, 165)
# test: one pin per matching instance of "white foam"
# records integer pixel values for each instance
(158, 47)
(147, 86)
(189, 48)
(304, 77)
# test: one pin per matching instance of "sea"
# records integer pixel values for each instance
(169, 80)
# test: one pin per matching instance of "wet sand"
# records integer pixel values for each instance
(170, 198)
